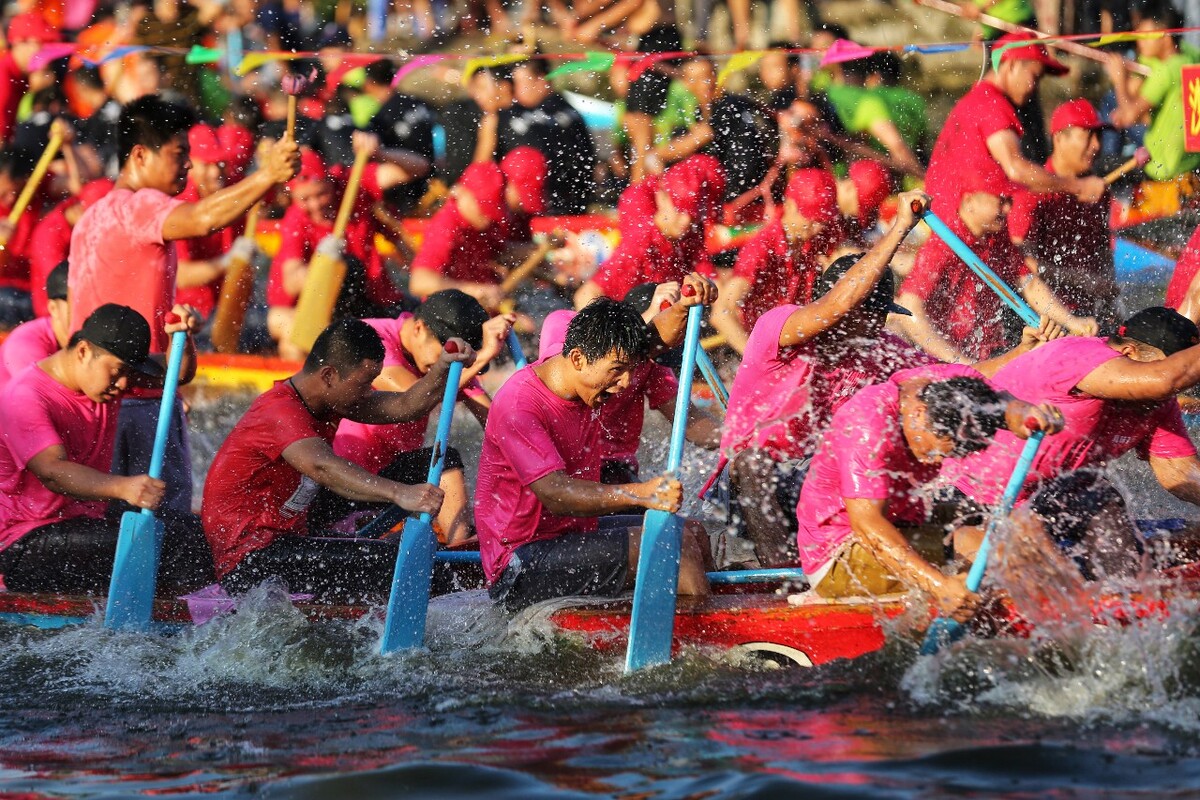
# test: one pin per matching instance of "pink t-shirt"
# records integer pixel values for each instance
(118, 256)
(531, 432)
(28, 344)
(864, 455)
(781, 400)
(621, 417)
(1095, 431)
(38, 412)
(373, 447)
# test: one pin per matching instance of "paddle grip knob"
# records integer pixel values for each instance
(1033, 423)
(451, 346)
(917, 207)
(293, 84)
(172, 318)
(664, 305)
(688, 290)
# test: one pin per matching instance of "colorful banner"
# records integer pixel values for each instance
(591, 62)
(1191, 108)
(476, 64)
(52, 52)
(253, 61)
(739, 62)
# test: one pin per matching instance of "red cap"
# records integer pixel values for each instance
(31, 27)
(1075, 114)
(1032, 52)
(93, 191)
(696, 186)
(312, 168)
(204, 144)
(815, 194)
(485, 182)
(873, 183)
(985, 182)
(238, 144)
(525, 168)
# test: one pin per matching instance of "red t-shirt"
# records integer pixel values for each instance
(118, 255)
(300, 235)
(454, 248)
(1185, 269)
(13, 85)
(778, 273)
(961, 147)
(252, 495)
(48, 247)
(17, 263)
(960, 306)
(36, 413)
(1072, 244)
(531, 432)
(202, 248)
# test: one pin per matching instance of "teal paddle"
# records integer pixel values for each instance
(946, 630)
(515, 349)
(708, 370)
(985, 273)
(652, 624)
(135, 567)
(408, 602)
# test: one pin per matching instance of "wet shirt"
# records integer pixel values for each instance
(1185, 270)
(373, 447)
(1096, 431)
(118, 255)
(27, 344)
(1071, 242)
(961, 147)
(37, 413)
(783, 398)
(252, 495)
(959, 305)
(779, 273)
(455, 249)
(531, 432)
(864, 456)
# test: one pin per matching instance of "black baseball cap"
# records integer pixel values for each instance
(880, 298)
(1164, 328)
(453, 313)
(56, 282)
(123, 332)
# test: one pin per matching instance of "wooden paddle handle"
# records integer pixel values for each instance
(347, 206)
(518, 276)
(31, 185)
(236, 291)
(1140, 159)
(1008, 27)
(291, 118)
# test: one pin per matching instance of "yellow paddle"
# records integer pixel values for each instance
(236, 290)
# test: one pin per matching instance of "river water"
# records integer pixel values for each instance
(266, 703)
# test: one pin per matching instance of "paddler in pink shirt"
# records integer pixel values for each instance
(1117, 394)
(874, 472)
(32, 341)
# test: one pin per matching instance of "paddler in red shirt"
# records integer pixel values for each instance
(280, 454)
(25, 36)
(1068, 240)
(201, 260)
(51, 240)
(982, 135)
(308, 224)
(781, 263)
(958, 318)
(662, 223)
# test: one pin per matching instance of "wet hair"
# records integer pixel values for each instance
(380, 72)
(857, 69)
(344, 345)
(605, 327)
(151, 122)
(639, 297)
(964, 410)
(887, 65)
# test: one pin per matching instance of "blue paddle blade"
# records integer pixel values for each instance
(135, 568)
(942, 633)
(652, 625)
(408, 602)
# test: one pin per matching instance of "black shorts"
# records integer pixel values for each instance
(595, 563)
(330, 508)
(332, 570)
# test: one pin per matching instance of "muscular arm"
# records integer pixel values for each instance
(1126, 379)
(382, 408)
(918, 330)
(219, 209)
(726, 317)
(1005, 147)
(63, 476)
(561, 494)
(890, 547)
(315, 459)
(1179, 476)
(1043, 301)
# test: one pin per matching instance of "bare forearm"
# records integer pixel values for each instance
(221, 208)
(81, 482)
(351, 481)
(381, 408)
(567, 496)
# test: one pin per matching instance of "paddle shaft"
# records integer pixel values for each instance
(514, 279)
(291, 117)
(437, 461)
(236, 290)
(708, 370)
(1008, 27)
(351, 195)
(985, 273)
(1138, 160)
(166, 409)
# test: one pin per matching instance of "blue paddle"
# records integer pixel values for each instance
(946, 630)
(514, 348)
(135, 567)
(985, 273)
(408, 603)
(652, 625)
(707, 370)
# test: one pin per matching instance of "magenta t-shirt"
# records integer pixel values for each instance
(28, 344)
(1095, 430)
(531, 432)
(622, 416)
(864, 455)
(38, 412)
(373, 447)
(782, 398)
